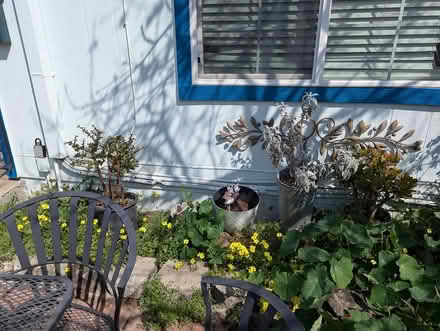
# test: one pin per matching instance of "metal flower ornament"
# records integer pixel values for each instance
(315, 150)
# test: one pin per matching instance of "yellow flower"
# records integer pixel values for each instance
(429, 230)
(25, 219)
(230, 257)
(192, 261)
(404, 251)
(20, 227)
(252, 248)
(231, 267)
(185, 241)
(268, 256)
(155, 195)
(201, 255)
(122, 231)
(82, 222)
(279, 235)
(169, 226)
(179, 264)
(164, 223)
(124, 237)
(45, 206)
(98, 230)
(144, 219)
(95, 221)
(252, 269)
(373, 262)
(271, 284)
(142, 229)
(255, 235)
(43, 218)
(66, 270)
(63, 225)
(296, 300)
(263, 305)
(265, 244)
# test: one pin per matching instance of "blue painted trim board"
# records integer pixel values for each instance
(6, 150)
(187, 91)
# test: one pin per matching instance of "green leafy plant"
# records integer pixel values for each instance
(163, 306)
(378, 180)
(111, 158)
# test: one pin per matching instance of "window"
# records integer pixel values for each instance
(373, 51)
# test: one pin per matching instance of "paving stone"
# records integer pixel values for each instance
(143, 271)
(186, 279)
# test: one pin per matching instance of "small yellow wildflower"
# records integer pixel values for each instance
(252, 269)
(268, 256)
(429, 230)
(164, 223)
(142, 229)
(279, 235)
(169, 226)
(25, 219)
(404, 251)
(122, 231)
(192, 261)
(144, 219)
(265, 244)
(201, 255)
(45, 206)
(82, 222)
(185, 241)
(124, 237)
(255, 238)
(66, 270)
(231, 266)
(155, 195)
(98, 230)
(296, 300)
(263, 305)
(239, 248)
(179, 264)
(63, 225)
(252, 248)
(95, 221)
(230, 257)
(373, 262)
(43, 218)
(20, 227)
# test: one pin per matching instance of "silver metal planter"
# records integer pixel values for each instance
(296, 207)
(236, 221)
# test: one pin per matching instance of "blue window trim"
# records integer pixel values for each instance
(188, 91)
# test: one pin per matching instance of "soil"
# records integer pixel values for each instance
(248, 199)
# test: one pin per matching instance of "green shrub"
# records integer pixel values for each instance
(162, 306)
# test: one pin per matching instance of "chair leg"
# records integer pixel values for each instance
(208, 326)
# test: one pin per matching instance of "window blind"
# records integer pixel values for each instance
(258, 36)
(383, 40)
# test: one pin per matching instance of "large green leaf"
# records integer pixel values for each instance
(205, 207)
(399, 285)
(379, 274)
(430, 242)
(287, 285)
(424, 292)
(290, 243)
(317, 325)
(385, 257)
(357, 235)
(313, 254)
(358, 316)
(314, 284)
(381, 296)
(341, 271)
(409, 268)
(392, 323)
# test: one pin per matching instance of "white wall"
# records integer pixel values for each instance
(84, 44)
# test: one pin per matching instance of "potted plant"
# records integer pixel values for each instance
(239, 205)
(110, 158)
(311, 152)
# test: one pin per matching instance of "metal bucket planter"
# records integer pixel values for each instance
(236, 221)
(296, 207)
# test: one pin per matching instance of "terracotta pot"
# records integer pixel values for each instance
(236, 221)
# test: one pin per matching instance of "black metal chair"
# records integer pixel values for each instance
(254, 293)
(99, 266)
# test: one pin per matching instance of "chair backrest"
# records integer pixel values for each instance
(70, 233)
(254, 293)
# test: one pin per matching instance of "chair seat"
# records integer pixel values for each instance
(77, 317)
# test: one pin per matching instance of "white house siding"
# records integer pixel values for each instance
(84, 44)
